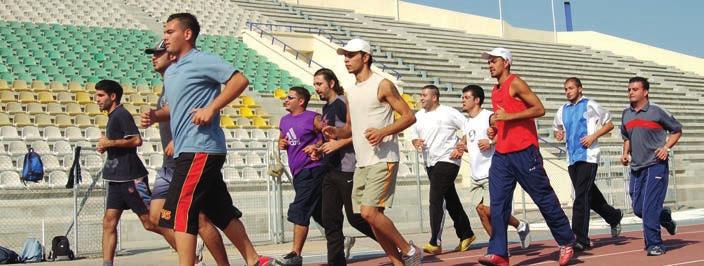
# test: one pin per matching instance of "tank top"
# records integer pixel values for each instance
(367, 112)
(300, 132)
(513, 135)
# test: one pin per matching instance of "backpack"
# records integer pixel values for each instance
(60, 249)
(33, 168)
(7, 256)
(32, 251)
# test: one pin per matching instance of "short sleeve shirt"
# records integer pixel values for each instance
(122, 164)
(646, 129)
(165, 134)
(192, 82)
(578, 120)
(335, 114)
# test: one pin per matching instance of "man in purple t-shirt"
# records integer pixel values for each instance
(300, 138)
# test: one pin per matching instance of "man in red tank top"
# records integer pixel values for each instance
(517, 159)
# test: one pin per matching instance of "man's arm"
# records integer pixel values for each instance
(233, 89)
(154, 116)
(128, 142)
(535, 106)
(389, 94)
(331, 132)
(589, 139)
(624, 155)
(333, 145)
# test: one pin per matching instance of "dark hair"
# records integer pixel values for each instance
(110, 87)
(302, 92)
(329, 75)
(188, 21)
(371, 59)
(575, 80)
(642, 80)
(433, 88)
(476, 90)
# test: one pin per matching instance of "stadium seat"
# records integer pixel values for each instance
(250, 173)
(56, 108)
(93, 133)
(230, 174)
(22, 119)
(65, 97)
(227, 122)
(7, 96)
(63, 121)
(51, 163)
(92, 109)
(45, 97)
(84, 97)
(52, 133)
(10, 179)
(20, 85)
(100, 120)
(253, 159)
(57, 178)
(8, 133)
(152, 134)
(14, 108)
(234, 159)
(26, 97)
(260, 122)
(31, 133)
(62, 148)
(74, 109)
(17, 148)
(246, 112)
(83, 121)
(6, 163)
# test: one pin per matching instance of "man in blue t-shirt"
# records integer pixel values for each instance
(195, 101)
(124, 172)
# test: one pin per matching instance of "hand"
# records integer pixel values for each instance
(456, 154)
(500, 115)
(202, 116)
(484, 144)
(315, 156)
(169, 149)
(310, 149)
(661, 153)
(461, 146)
(419, 144)
(148, 118)
(329, 132)
(331, 146)
(587, 141)
(100, 149)
(559, 135)
(283, 143)
(373, 135)
(491, 132)
(624, 159)
(103, 143)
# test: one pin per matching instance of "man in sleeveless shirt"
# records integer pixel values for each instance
(300, 138)
(161, 60)
(434, 134)
(517, 159)
(337, 182)
(370, 123)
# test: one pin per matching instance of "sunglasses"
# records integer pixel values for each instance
(290, 97)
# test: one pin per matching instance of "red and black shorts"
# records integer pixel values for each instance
(197, 186)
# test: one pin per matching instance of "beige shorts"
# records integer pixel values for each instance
(479, 190)
(374, 185)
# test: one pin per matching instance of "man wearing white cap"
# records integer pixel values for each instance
(517, 159)
(370, 123)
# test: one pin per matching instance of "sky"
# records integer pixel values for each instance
(676, 25)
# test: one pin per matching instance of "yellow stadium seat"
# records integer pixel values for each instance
(248, 101)
(262, 113)
(26, 97)
(74, 86)
(101, 120)
(127, 89)
(92, 109)
(45, 97)
(7, 96)
(280, 93)
(131, 108)
(261, 122)
(22, 120)
(227, 122)
(74, 109)
(136, 99)
(246, 112)
(3, 85)
(63, 121)
(55, 108)
(237, 102)
(158, 88)
(5, 120)
(39, 85)
(56, 86)
(83, 97)
(64, 97)
(83, 121)
(90, 86)
(44, 120)
(20, 85)
(35, 108)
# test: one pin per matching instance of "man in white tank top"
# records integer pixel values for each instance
(370, 123)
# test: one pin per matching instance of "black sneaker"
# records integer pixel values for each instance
(656, 251)
(616, 228)
(669, 224)
(291, 259)
(579, 247)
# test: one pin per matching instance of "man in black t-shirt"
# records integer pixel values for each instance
(340, 162)
(128, 187)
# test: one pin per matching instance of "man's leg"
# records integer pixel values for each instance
(355, 219)
(212, 239)
(308, 188)
(501, 186)
(463, 229)
(598, 203)
(580, 174)
(333, 218)
(110, 221)
(656, 179)
(436, 202)
(386, 234)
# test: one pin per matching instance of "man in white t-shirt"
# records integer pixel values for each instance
(481, 148)
(433, 134)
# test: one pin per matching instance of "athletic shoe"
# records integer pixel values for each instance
(464, 244)
(265, 261)
(349, 243)
(493, 260)
(432, 249)
(656, 251)
(669, 223)
(616, 228)
(413, 259)
(291, 259)
(200, 245)
(524, 233)
(579, 247)
(566, 254)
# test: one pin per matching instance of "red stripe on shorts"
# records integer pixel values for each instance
(185, 199)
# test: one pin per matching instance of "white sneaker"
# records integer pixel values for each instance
(200, 245)
(349, 243)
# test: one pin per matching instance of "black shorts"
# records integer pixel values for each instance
(308, 185)
(133, 195)
(197, 186)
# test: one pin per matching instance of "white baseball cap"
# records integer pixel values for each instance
(355, 45)
(498, 52)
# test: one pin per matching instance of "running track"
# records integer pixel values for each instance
(684, 248)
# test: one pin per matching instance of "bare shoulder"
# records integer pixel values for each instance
(387, 89)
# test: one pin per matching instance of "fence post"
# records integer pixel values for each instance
(416, 165)
(75, 214)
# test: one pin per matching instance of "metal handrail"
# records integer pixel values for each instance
(285, 45)
(320, 32)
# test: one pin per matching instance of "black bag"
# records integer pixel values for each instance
(60, 249)
(8, 256)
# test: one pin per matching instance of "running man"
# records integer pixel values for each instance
(370, 123)
(193, 92)
(581, 122)
(644, 128)
(337, 183)
(212, 239)
(517, 159)
(128, 187)
(433, 134)
(300, 137)
(481, 148)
